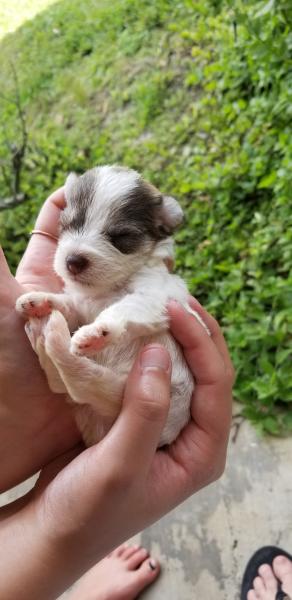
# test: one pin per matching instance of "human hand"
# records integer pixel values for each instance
(198, 455)
(35, 424)
(84, 508)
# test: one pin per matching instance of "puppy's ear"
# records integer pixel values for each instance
(170, 215)
(70, 186)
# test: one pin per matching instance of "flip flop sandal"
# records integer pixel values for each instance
(263, 556)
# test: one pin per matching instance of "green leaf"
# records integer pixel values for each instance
(268, 180)
(271, 425)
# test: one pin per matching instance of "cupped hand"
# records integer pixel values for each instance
(35, 424)
(114, 489)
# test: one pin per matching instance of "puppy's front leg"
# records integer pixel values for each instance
(134, 316)
(86, 382)
(41, 304)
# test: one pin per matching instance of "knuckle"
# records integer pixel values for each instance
(224, 374)
(232, 374)
(218, 468)
(229, 376)
(151, 409)
(114, 480)
(153, 402)
(213, 325)
(118, 479)
(218, 374)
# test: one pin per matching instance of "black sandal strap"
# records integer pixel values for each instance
(264, 555)
(282, 596)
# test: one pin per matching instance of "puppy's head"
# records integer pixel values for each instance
(113, 223)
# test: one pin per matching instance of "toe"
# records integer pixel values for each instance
(147, 572)
(130, 551)
(119, 551)
(251, 595)
(259, 587)
(137, 558)
(283, 570)
(268, 577)
(282, 566)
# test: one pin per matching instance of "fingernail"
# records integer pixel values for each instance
(193, 300)
(155, 357)
(152, 564)
(174, 303)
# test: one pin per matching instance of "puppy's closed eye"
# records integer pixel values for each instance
(126, 240)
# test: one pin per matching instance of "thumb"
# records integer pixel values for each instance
(9, 288)
(137, 431)
(4, 269)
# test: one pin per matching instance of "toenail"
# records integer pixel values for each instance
(264, 569)
(152, 564)
(281, 560)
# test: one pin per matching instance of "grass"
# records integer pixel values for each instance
(196, 96)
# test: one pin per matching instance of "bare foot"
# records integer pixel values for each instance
(265, 586)
(122, 575)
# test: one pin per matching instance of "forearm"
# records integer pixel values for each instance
(25, 563)
(32, 566)
(42, 443)
(37, 563)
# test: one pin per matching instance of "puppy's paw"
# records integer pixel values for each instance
(34, 329)
(90, 339)
(34, 305)
(57, 335)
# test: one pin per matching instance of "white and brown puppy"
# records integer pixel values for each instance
(112, 255)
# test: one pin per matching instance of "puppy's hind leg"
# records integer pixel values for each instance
(34, 329)
(86, 381)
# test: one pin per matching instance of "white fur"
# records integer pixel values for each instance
(114, 308)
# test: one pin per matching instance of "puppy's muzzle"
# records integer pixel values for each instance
(76, 263)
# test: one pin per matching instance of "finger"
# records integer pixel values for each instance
(211, 407)
(9, 288)
(136, 433)
(4, 269)
(48, 218)
(41, 249)
(201, 353)
(215, 330)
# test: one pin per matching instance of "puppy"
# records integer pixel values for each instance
(113, 255)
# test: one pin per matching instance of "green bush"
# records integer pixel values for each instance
(198, 97)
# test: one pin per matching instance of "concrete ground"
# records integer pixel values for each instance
(205, 543)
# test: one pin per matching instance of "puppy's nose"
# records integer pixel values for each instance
(76, 263)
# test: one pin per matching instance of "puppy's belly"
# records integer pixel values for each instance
(120, 359)
(91, 426)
